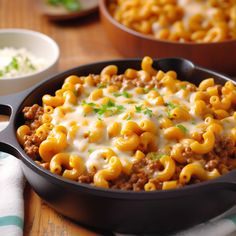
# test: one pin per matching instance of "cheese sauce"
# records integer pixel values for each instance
(122, 107)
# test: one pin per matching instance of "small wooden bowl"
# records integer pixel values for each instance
(216, 56)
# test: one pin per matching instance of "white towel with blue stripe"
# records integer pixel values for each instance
(11, 195)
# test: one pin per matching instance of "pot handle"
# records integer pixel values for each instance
(8, 106)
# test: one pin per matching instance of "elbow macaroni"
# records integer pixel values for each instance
(177, 21)
(135, 130)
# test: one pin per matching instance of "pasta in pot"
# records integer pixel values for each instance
(123, 131)
(202, 21)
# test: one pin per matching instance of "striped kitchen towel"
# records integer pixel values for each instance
(11, 195)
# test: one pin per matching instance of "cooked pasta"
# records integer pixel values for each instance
(199, 21)
(120, 131)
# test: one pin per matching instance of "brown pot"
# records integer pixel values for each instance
(217, 56)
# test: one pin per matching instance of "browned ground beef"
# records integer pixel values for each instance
(86, 178)
(32, 117)
(219, 158)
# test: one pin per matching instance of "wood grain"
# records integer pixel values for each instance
(81, 41)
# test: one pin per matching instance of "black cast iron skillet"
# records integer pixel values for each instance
(116, 210)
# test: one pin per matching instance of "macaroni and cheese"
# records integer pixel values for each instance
(198, 21)
(141, 130)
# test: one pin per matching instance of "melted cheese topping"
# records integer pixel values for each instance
(124, 106)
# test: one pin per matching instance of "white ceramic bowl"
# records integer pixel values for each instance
(40, 45)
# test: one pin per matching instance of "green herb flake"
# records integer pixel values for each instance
(90, 150)
(29, 64)
(155, 156)
(182, 127)
(183, 87)
(100, 111)
(124, 94)
(110, 103)
(129, 117)
(110, 107)
(14, 63)
(146, 90)
(101, 85)
(155, 89)
(171, 105)
(119, 109)
(117, 94)
(148, 112)
(138, 109)
(88, 103)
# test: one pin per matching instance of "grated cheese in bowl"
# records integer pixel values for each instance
(19, 62)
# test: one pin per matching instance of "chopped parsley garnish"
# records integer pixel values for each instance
(182, 127)
(138, 108)
(155, 156)
(110, 107)
(117, 94)
(129, 117)
(193, 122)
(131, 102)
(14, 63)
(28, 62)
(101, 85)
(183, 87)
(119, 109)
(148, 112)
(110, 103)
(155, 89)
(171, 105)
(88, 103)
(100, 111)
(146, 90)
(90, 150)
(124, 94)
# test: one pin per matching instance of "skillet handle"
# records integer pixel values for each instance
(8, 106)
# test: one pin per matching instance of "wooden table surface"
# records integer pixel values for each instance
(80, 41)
